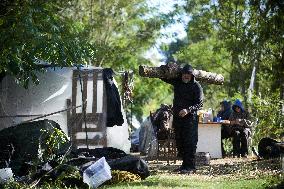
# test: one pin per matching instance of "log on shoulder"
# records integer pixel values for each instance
(174, 71)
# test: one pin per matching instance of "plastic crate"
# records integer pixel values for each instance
(97, 173)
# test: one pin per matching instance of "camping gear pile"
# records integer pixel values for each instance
(39, 152)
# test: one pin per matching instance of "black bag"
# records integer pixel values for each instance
(131, 164)
(269, 148)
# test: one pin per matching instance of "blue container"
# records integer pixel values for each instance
(219, 119)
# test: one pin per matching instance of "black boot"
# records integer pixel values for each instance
(188, 166)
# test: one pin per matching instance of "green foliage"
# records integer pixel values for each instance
(14, 185)
(228, 146)
(112, 33)
(241, 29)
(274, 182)
(228, 37)
(69, 176)
(119, 31)
(51, 143)
(169, 50)
(231, 37)
(270, 118)
(36, 30)
(208, 55)
(151, 93)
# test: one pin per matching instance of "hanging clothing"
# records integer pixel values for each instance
(114, 114)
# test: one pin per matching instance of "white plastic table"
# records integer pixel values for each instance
(209, 139)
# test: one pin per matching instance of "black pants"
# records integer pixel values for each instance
(186, 135)
(240, 141)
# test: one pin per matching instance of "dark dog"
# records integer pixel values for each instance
(161, 121)
(270, 148)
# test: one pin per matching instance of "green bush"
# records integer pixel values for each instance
(267, 110)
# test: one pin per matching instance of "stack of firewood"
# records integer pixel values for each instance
(171, 71)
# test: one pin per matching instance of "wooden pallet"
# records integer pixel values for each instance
(95, 121)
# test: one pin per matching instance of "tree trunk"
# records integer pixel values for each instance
(257, 70)
(282, 82)
(241, 76)
(282, 96)
(174, 71)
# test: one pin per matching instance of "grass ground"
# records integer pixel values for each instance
(228, 173)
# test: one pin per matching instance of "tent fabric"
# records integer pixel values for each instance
(148, 143)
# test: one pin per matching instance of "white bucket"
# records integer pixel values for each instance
(97, 173)
(6, 174)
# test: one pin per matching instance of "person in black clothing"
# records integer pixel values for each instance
(226, 130)
(188, 98)
(240, 123)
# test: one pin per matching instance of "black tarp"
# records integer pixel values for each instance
(131, 164)
(20, 144)
(117, 160)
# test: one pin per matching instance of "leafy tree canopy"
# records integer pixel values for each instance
(112, 33)
(234, 38)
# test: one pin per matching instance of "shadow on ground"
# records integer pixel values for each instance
(227, 166)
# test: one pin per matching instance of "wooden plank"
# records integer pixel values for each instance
(69, 128)
(94, 107)
(89, 117)
(77, 123)
(74, 90)
(85, 90)
(91, 142)
(102, 119)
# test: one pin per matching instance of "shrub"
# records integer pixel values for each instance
(267, 110)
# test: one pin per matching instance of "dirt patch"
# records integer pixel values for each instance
(233, 168)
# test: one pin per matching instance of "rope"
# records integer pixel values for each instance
(46, 115)
(7, 116)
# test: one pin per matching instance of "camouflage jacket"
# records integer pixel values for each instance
(242, 118)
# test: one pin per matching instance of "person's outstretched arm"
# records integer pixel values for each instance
(169, 81)
(198, 99)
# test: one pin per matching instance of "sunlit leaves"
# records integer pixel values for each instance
(38, 31)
